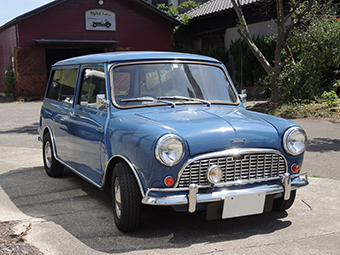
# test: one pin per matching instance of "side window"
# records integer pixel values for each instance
(62, 85)
(93, 92)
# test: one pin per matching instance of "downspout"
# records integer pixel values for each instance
(17, 45)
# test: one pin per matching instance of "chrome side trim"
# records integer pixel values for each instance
(133, 169)
(62, 162)
(231, 152)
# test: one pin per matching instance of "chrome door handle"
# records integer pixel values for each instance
(100, 130)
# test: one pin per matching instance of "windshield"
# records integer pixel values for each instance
(170, 83)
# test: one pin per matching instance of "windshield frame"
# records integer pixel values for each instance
(174, 61)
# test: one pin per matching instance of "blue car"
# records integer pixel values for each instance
(167, 129)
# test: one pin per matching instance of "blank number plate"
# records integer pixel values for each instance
(241, 205)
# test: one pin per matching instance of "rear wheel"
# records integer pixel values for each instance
(52, 166)
(281, 205)
(126, 198)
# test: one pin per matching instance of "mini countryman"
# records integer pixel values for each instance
(167, 129)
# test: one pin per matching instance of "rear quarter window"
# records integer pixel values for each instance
(62, 85)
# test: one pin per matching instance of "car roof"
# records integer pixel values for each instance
(133, 56)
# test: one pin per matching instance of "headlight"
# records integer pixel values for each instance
(169, 149)
(295, 141)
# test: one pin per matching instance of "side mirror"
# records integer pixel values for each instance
(243, 95)
(102, 103)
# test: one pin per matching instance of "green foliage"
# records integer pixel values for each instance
(216, 52)
(330, 98)
(213, 51)
(182, 38)
(252, 69)
(10, 83)
(317, 54)
(175, 11)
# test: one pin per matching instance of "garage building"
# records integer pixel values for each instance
(61, 29)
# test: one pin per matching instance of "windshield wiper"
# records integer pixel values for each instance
(186, 99)
(138, 99)
(148, 99)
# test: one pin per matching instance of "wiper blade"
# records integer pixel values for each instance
(138, 99)
(185, 98)
(148, 99)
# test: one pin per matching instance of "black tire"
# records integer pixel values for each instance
(126, 198)
(52, 166)
(281, 205)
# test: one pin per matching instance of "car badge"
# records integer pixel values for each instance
(238, 141)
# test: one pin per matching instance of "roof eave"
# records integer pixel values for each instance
(144, 4)
(33, 12)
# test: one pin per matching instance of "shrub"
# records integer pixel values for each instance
(252, 71)
(10, 83)
(330, 98)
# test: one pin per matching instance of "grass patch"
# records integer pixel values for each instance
(299, 110)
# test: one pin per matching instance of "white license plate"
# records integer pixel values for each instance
(244, 204)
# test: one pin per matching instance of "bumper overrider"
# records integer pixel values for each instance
(194, 194)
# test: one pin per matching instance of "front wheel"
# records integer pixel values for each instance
(52, 166)
(126, 198)
(281, 205)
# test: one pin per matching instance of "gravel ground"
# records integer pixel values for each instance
(11, 243)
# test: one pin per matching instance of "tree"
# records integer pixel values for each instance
(181, 37)
(176, 11)
(317, 55)
(286, 22)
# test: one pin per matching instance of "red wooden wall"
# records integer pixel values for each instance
(135, 26)
(7, 43)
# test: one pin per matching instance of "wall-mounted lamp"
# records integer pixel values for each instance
(100, 2)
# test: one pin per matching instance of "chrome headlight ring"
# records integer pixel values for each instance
(169, 149)
(294, 141)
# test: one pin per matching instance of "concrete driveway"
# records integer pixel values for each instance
(69, 216)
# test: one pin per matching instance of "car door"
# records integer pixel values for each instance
(87, 126)
(58, 106)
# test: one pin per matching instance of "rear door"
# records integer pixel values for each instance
(58, 105)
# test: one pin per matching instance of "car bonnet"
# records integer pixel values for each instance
(208, 129)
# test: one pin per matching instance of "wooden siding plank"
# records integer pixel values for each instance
(30, 70)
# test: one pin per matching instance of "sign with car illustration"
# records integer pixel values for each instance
(101, 20)
(167, 129)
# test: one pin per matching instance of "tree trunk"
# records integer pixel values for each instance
(275, 89)
(298, 10)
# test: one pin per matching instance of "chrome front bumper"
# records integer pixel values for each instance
(192, 196)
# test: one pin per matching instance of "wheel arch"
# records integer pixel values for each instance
(49, 130)
(109, 169)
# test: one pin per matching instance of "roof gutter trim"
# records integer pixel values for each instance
(52, 41)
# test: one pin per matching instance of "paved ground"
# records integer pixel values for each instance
(69, 216)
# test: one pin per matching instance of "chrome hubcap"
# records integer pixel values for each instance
(118, 203)
(48, 154)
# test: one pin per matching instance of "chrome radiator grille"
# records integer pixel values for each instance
(244, 167)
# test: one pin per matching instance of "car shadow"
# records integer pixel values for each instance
(28, 129)
(86, 213)
(323, 145)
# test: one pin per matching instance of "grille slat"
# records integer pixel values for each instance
(241, 167)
